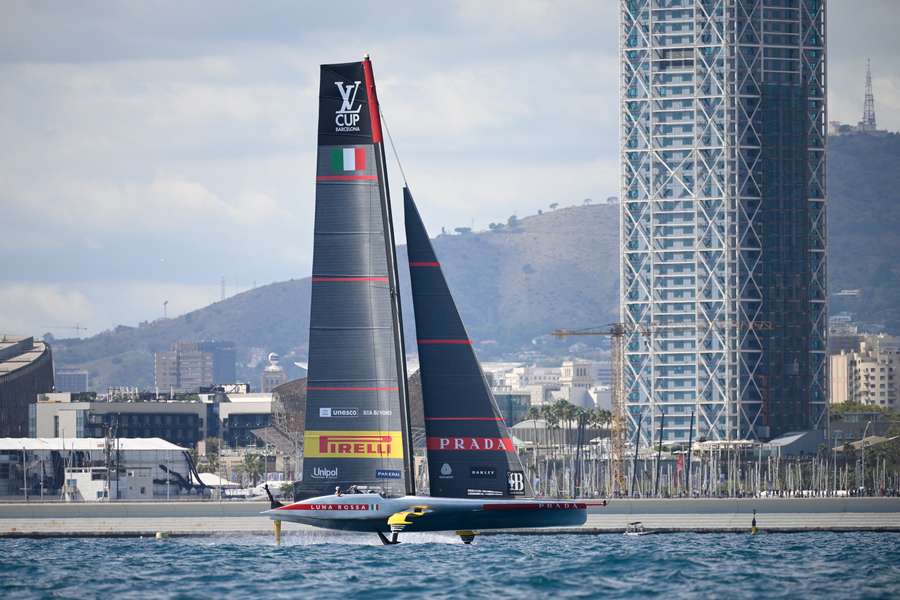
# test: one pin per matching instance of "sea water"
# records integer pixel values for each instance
(820, 565)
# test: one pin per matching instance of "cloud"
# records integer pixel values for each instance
(146, 145)
(35, 309)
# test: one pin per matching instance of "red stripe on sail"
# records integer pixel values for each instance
(443, 342)
(342, 279)
(359, 158)
(416, 263)
(463, 418)
(374, 115)
(319, 388)
(347, 177)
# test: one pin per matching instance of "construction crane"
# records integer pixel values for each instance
(617, 332)
(77, 328)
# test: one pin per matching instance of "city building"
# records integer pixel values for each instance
(71, 380)
(189, 366)
(273, 375)
(576, 377)
(95, 469)
(185, 420)
(524, 376)
(852, 427)
(602, 396)
(26, 370)
(869, 374)
(243, 414)
(513, 405)
(224, 357)
(723, 217)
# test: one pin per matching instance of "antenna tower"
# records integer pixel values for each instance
(868, 119)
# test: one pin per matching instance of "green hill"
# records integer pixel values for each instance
(519, 282)
(864, 227)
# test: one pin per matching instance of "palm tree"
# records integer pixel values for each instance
(253, 465)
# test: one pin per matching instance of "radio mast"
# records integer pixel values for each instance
(868, 118)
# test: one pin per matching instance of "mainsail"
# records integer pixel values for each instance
(357, 409)
(470, 451)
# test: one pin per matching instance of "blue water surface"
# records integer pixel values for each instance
(823, 565)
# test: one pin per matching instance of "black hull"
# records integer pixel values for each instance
(476, 520)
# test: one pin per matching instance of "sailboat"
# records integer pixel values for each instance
(358, 466)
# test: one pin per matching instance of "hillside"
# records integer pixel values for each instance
(511, 285)
(864, 227)
(555, 269)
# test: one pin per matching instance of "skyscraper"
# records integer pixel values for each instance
(723, 216)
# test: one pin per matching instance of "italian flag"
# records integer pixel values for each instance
(348, 159)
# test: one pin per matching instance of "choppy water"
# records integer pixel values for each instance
(831, 565)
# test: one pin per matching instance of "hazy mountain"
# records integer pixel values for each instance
(864, 227)
(512, 284)
(520, 281)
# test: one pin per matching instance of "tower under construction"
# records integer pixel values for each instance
(723, 254)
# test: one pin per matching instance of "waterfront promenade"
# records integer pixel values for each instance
(235, 518)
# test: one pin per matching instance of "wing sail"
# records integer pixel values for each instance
(470, 450)
(357, 409)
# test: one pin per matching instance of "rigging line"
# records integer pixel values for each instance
(393, 147)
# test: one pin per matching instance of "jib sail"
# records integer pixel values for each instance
(356, 417)
(470, 451)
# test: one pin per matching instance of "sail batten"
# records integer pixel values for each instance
(470, 451)
(356, 417)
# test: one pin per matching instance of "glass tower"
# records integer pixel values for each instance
(723, 217)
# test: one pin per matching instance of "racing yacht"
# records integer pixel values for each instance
(358, 434)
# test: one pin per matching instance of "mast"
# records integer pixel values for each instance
(394, 277)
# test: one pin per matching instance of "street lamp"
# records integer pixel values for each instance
(863, 455)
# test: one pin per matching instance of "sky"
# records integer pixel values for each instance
(149, 149)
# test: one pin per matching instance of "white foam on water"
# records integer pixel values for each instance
(308, 538)
(323, 537)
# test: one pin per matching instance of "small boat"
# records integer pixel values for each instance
(636, 528)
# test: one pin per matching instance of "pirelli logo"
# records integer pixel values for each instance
(352, 444)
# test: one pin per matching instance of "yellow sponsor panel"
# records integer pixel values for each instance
(352, 444)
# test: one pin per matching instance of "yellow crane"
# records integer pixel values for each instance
(617, 332)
